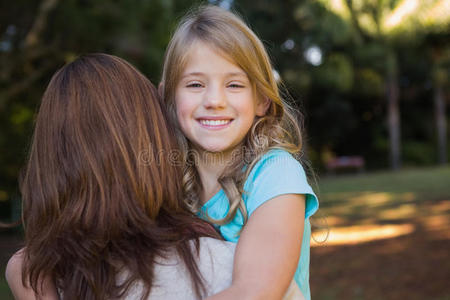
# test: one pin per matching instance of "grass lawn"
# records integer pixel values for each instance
(387, 236)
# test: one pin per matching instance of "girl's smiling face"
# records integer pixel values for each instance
(216, 103)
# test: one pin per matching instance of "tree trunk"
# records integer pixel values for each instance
(393, 111)
(441, 124)
(32, 37)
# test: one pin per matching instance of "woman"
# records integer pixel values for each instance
(103, 207)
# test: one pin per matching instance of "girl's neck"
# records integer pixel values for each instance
(210, 166)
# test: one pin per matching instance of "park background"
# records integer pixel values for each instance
(371, 78)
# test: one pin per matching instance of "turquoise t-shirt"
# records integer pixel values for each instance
(276, 173)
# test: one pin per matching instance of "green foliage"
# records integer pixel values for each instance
(342, 94)
(418, 154)
(369, 83)
(335, 73)
(34, 43)
(371, 55)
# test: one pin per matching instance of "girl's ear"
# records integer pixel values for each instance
(263, 106)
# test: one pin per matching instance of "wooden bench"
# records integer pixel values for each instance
(345, 163)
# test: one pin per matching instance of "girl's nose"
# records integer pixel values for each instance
(214, 98)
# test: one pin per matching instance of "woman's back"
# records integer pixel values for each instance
(98, 196)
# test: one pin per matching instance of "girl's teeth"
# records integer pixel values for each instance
(214, 122)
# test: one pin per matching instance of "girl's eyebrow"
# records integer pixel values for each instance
(230, 74)
(192, 74)
(239, 73)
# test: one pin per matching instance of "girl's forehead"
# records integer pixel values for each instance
(203, 46)
(204, 53)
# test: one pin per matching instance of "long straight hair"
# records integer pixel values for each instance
(101, 193)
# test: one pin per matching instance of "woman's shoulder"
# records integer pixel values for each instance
(216, 252)
(13, 276)
(216, 244)
(215, 263)
(14, 268)
(172, 279)
(212, 252)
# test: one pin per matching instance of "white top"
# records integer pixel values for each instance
(172, 280)
(215, 263)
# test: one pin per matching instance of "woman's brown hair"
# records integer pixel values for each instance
(102, 190)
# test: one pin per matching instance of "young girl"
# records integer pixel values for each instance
(103, 211)
(239, 139)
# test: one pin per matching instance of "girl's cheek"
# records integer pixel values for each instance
(183, 113)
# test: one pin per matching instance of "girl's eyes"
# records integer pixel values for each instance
(194, 85)
(233, 85)
(236, 85)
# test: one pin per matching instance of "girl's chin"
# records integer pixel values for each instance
(214, 149)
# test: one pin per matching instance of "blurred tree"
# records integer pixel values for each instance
(338, 58)
(37, 37)
(390, 23)
(308, 45)
(440, 75)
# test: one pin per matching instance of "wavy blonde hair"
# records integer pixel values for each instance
(279, 128)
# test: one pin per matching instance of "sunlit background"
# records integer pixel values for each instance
(371, 78)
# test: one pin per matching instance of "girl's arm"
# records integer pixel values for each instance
(20, 292)
(268, 250)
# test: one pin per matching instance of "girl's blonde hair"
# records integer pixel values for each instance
(279, 128)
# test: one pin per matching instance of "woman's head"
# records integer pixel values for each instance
(97, 119)
(99, 189)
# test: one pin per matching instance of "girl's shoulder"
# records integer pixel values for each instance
(277, 173)
(277, 162)
(278, 155)
(277, 152)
